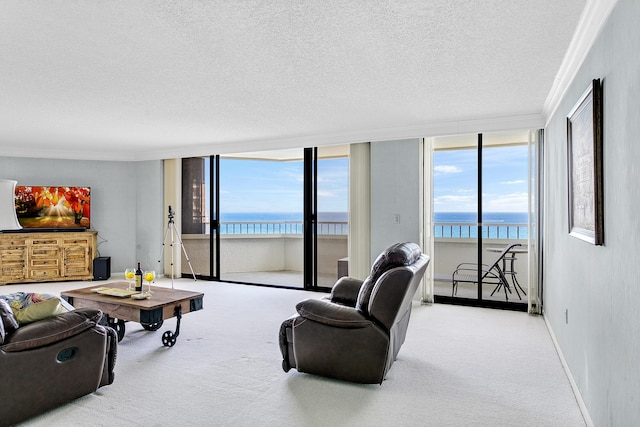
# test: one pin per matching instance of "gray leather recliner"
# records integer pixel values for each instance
(49, 362)
(356, 333)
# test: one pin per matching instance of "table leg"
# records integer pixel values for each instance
(169, 338)
(516, 284)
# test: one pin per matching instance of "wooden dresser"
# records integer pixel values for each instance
(46, 257)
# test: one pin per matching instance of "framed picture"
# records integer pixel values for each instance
(584, 156)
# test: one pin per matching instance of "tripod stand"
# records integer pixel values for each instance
(171, 231)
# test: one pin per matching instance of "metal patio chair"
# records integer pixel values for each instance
(491, 274)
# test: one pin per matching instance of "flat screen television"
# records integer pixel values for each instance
(53, 208)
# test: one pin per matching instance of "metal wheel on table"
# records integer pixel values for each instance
(152, 326)
(118, 326)
(169, 339)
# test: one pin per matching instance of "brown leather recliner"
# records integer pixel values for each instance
(356, 333)
(47, 363)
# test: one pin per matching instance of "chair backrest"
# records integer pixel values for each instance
(496, 264)
(398, 255)
(393, 293)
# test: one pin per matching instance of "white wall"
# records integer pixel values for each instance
(592, 293)
(268, 252)
(395, 190)
(126, 202)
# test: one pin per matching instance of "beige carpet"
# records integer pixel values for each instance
(459, 366)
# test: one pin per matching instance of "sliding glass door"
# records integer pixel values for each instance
(276, 218)
(261, 218)
(481, 202)
(455, 213)
(195, 217)
(332, 232)
(505, 213)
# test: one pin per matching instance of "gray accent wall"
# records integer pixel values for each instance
(395, 193)
(592, 293)
(126, 202)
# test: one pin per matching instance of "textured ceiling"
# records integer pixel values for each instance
(138, 80)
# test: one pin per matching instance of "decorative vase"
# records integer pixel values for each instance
(8, 217)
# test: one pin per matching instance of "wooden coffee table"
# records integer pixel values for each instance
(164, 303)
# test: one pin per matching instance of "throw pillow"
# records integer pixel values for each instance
(31, 307)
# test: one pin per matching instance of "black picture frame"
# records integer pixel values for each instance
(584, 164)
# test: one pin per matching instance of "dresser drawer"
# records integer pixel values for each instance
(45, 273)
(44, 263)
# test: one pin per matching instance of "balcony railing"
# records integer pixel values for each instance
(281, 227)
(455, 230)
(459, 230)
(268, 246)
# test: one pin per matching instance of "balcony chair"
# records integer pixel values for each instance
(490, 274)
(355, 333)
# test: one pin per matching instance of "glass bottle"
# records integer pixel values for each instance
(138, 280)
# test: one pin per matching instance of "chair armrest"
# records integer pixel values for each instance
(328, 313)
(51, 330)
(471, 264)
(345, 291)
(475, 270)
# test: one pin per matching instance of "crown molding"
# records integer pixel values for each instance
(594, 16)
(489, 124)
(57, 154)
(458, 127)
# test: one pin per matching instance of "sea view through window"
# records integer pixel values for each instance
(504, 196)
(252, 207)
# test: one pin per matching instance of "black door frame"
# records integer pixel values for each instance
(310, 216)
(310, 237)
(479, 301)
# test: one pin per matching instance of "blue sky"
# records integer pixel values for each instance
(504, 180)
(274, 186)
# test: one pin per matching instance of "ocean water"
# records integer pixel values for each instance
(488, 217)
(468, 217)
(504, 225)
(497, 225)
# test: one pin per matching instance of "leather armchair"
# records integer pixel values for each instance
(356, 333)
(47, 363)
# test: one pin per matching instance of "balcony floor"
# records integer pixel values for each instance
(470, 291)
(287, 278)
(293, 279)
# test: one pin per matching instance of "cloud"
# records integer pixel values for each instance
(517, 181)
(453, 199)
(326, 193)
(441, 169)
(514, 202)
